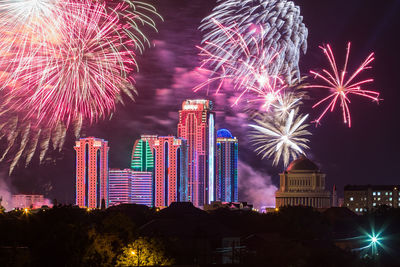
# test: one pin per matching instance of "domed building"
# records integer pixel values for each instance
(302, 184)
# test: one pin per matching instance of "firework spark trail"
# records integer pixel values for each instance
(340, 88)
(278, 25)
(246, 75)
(63, 63)
(280, 139)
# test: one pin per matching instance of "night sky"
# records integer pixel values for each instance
(367, 153)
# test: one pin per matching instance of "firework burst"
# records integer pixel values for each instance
(341, 85)
(63, 63)
(279, 28)
(280, 139)
(249, 74)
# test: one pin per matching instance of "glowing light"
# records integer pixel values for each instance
(341, 87)
(248, 74)
(268, 26)
(64, 63)
(280, 138)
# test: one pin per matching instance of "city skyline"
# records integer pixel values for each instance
(165, 159)
(167, 76)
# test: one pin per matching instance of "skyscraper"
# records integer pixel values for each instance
(227, 167)
(91, 172)
(170, 169)
(165, 158)
(142, 154)
(196, 125)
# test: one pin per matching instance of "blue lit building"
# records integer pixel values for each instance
(129, 187)
(142, 189)
(226, 187)
(119, 186)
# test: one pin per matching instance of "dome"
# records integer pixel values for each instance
(224, 133)
(302, 164)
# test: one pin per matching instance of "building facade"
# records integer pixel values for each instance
(143, 154)
(165, 157)
(91, 172)
(130, 187)
(170, 181)
(142, 188)
(120, 186)
(21, 201)
(364, 198)
(302, 184)
(226, 182)
(197, 126)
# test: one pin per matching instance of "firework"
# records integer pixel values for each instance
(280, 139)
(279, 29)
(341, 85)
(247, 76)
(62, 63)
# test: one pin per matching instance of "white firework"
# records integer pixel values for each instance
(280, 139)
(279, 29)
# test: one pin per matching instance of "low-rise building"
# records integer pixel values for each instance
(363, 198)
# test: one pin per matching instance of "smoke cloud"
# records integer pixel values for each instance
(255, 187)
(5, 192)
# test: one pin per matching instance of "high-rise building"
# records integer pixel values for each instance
(142, 154)
(170, 170)
(365, 198)
(302, 184)
(142, 188)
(119, 186)
(227, 167)
(91, 172)
(197, 126)
(130, 187)
(166, 158)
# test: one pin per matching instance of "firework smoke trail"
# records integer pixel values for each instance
(278, 24)
(280, 139)
(62, 63)
(250, 79)
(340, 86)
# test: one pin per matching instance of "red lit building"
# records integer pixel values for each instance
(196, 125)
(170, 169)
(91, 172)
(165, 157)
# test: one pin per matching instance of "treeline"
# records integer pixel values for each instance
(135, 235)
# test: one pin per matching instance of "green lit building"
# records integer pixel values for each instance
(143, 155)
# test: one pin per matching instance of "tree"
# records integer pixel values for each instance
(101, 251)
(144, 251)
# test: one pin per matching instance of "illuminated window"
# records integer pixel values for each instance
(379, 193)
(374, 193)
(374, 204)
(390, 199)
(386, 193)
(379, 198)
(351, 199)
(356, 209)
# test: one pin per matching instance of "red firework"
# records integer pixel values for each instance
(340, 86)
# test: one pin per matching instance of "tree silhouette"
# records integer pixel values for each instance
(144, 252)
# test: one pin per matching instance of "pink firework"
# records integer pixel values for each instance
(341, 86)
(77, 71)
(64, 63)
(250, 74)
